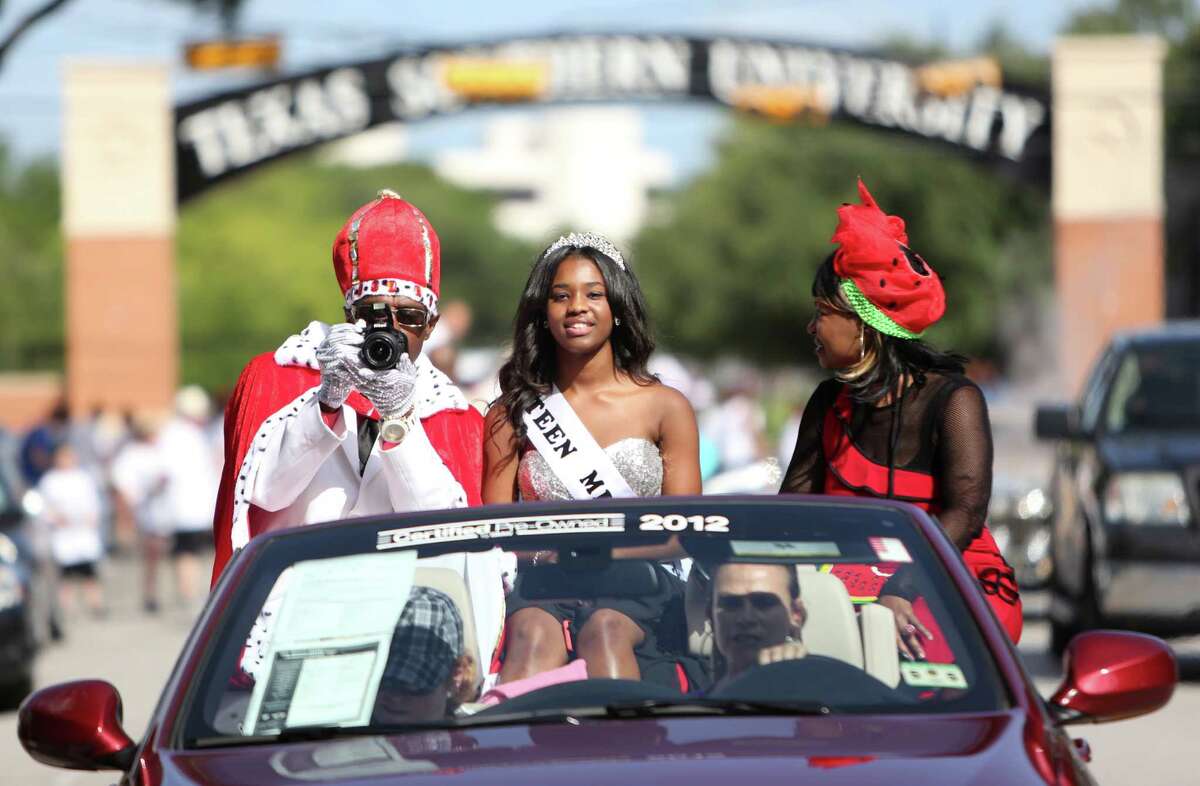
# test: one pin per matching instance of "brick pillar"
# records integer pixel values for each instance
(118, 184)
(1107, 192)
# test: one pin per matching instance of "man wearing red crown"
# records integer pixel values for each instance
(312, 434)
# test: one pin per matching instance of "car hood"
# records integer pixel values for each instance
(1150, 450)
(974, 749)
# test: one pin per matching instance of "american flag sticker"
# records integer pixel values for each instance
(890, 549)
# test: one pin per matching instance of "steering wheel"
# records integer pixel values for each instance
(815, 679)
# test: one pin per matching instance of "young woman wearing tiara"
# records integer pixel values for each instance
(898, 419)
(577, 373)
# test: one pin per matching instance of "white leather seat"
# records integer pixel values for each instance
(881, 658)
(451, 583)
(830, 626)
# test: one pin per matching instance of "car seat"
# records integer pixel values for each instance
(881, 658)
(830, 627)
(833, 629)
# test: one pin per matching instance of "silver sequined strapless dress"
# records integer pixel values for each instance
(637, 459)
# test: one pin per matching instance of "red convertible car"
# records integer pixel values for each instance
(389, 650)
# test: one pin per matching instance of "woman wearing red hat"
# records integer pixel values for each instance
(899, 419)
(580, 417)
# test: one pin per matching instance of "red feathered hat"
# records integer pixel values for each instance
(889, 285)
(387, 247)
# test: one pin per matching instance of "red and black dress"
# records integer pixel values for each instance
(932, 448)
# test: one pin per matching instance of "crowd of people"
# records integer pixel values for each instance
(141, 483)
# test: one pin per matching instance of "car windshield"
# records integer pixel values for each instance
(1156, 388)
(370, 626)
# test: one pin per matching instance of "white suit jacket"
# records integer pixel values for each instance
(308, 473)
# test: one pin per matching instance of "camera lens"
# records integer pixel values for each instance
(382, 348)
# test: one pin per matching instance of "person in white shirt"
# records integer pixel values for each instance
(191, 487)
(736, 425)
(140, 478)
(71, 512)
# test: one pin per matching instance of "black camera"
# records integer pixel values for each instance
(383, 345)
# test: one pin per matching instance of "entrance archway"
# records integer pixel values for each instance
(126, 170)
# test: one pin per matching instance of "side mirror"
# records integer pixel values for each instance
(1056, 421)
(76, 725)
(1113, 675)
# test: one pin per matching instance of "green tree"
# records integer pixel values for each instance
(254, 258)
(729, 272)
(1017, 62)
(30, 266)
(1171, 19)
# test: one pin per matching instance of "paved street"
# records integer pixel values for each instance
(135, 652)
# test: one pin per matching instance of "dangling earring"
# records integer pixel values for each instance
(617, 321)
(862, 343)
(545, 323)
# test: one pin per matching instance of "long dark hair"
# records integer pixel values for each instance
(530, 369)
(886, 360)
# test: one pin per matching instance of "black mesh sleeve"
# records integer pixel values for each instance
(964, 461)
(806, 471)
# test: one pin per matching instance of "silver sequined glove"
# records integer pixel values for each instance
(391, 390)
(338, 357)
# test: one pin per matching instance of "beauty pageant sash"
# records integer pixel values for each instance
(571, 451)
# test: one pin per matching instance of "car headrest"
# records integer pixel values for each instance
(830, 625)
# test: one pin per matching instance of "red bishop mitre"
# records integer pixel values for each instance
(890, 286)
(388, 247)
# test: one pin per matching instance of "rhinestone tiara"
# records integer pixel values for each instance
(588, 240)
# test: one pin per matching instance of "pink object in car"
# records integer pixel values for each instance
(575, 670)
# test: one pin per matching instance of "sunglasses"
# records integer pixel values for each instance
(759, 601)
(405, 316)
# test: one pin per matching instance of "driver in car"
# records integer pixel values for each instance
(428, 673)
(756, 614)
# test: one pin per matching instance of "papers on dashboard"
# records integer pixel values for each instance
(329, 644)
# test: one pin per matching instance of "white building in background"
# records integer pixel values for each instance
(581, 168)
(379, 146)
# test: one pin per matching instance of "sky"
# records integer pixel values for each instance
(322, 32)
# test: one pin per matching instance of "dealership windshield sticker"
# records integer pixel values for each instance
(493, 529)
(791, 549)
(890, 549)
(932, 675)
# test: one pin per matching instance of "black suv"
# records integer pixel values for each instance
(1125, 544)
